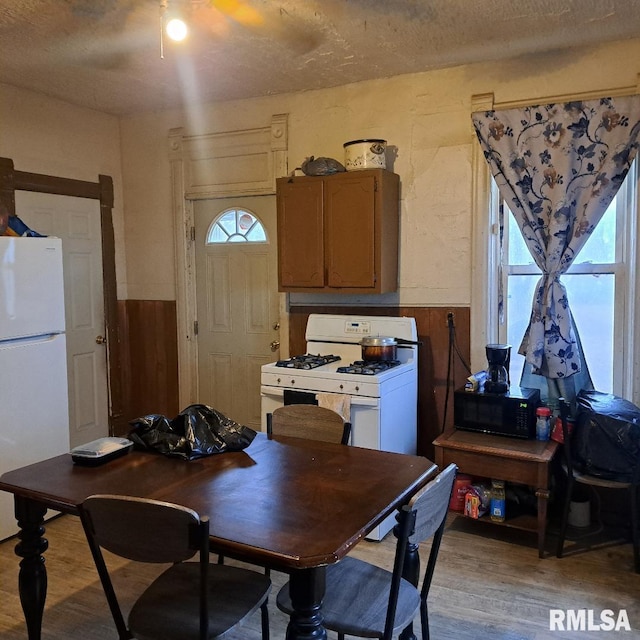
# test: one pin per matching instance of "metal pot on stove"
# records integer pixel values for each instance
(379, 349)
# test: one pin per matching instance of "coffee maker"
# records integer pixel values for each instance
(498, 356)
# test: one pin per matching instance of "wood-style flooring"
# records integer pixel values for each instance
(489, 583)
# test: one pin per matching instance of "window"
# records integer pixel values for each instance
(236, 225)
(601, 286)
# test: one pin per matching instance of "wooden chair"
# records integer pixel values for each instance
(572, 476)
(198, 600)
(366, 601)
(309, 421)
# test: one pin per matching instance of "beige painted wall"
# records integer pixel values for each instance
(52, 137)
(426, 116)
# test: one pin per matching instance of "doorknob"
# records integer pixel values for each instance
(101, 340)
(275, 345)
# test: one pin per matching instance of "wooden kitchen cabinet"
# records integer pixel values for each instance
(338, 233)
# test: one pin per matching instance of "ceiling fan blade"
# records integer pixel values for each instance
(270, 22)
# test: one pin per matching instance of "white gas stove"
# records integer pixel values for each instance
(380, 404)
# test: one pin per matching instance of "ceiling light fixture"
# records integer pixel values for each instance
(177, 29)
(172, 24)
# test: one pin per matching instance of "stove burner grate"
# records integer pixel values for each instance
(368, 368)
(307, 361)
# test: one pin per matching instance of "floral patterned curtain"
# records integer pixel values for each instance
(558, 166)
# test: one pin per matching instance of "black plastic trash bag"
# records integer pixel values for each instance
(196, 431)
(607, 436)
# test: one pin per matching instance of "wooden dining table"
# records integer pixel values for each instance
(289, 504)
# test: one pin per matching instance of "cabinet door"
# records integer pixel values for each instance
(350, 245)
(300, 233)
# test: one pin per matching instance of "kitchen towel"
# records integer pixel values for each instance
(338, 402)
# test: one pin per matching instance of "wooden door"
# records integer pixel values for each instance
(350, 233)
(77, 222)
(300, 233)
(237, 301)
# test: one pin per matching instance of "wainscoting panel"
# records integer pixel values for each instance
(150, 361)
(149, 355)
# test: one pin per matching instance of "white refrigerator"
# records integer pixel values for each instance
(34, 409)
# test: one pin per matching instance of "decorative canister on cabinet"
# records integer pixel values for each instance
(365, 154)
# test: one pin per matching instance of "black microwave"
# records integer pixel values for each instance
(504, 414)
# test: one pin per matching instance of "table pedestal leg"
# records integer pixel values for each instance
(32, 579)
(306, 587)
(543, 501)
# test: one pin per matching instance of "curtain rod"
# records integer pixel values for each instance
(486, 101)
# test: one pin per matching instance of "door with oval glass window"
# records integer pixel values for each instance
(237, 302)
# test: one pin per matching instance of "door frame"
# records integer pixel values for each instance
(102, 190)
(244, 162)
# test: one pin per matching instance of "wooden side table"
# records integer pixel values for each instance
(511, 459)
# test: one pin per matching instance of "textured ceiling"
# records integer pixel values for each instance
(105, 54)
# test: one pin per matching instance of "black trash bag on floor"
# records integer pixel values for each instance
(606, 442)
(195, 432)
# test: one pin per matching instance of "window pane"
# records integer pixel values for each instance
(228, 222)
(217, 235)
(256, 234)
(601, 246)
(236, 226)
(519, 296)
(245, 221)
(518, 252)
(591, 298)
